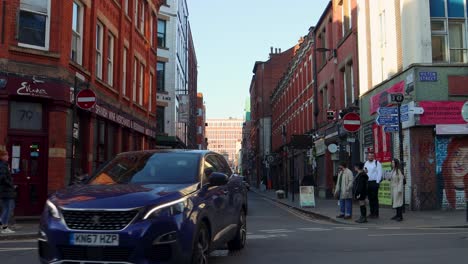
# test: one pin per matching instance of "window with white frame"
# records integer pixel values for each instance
(77, 33)
(448, 18)
(124, 72)
(151, 30)
(34, 24)
(99, 46)
(134, 88)
(142, 80)
(348, 81)
(142, 18)
(135, 9)
(161, 33)
(346, 16)
(150, 87)
(126, 6)
(110, 59)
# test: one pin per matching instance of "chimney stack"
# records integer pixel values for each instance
(271, 48)
(276, 50)
(279, 50)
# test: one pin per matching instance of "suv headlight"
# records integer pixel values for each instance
(169, 209)
(53, 210)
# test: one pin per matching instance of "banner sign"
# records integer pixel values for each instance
(441, 113)
(307, 196)
(385, 193)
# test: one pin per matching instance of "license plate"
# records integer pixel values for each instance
(94, 239)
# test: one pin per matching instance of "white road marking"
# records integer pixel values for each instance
(417, 234)
(274, 231)
(314, 229)
(265, 236)
(390, 228)
(348, 228)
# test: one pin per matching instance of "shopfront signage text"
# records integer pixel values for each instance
(26, 89)
(441, 112)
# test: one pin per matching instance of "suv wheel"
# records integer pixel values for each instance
(239, 240)
(201, 245)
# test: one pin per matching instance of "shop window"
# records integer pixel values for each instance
(26, 116)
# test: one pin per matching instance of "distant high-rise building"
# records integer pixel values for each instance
(223, 137)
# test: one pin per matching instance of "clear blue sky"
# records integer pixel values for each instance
(230, 36)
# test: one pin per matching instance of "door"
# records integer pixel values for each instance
(28, 164)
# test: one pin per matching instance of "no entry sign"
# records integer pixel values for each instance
(351, 122)
(86, 99)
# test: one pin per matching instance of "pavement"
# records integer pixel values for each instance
(327, 209)
(25, 228)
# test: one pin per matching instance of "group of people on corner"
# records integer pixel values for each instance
(365, 186)
(7, 193)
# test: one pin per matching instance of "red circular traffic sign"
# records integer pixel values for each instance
(86, 99)
(351, 122)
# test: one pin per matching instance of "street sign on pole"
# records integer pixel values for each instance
(386, 111)
(351, 122)
(387, 120)
(391, 129)
(86, 99)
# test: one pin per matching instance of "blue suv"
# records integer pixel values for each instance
(160, 206)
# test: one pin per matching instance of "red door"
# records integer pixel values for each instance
(28, 164)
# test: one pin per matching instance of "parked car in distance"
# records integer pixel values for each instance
(159, 206)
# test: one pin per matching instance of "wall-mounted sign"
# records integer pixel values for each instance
(381, 99)
(332, 148)
(428, 76)
(441, 112)
(36, 87)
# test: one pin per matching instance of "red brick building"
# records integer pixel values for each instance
(292, 115)
(337, 89)
(302, 107)
(201, 121)
(50, 50)
(266, 77)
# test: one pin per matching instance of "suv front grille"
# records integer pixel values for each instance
(98, 220)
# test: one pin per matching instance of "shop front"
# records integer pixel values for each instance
(29, 109)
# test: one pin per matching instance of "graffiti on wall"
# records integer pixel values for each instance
(452, 171)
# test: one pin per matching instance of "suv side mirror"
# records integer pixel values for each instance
(218, 179)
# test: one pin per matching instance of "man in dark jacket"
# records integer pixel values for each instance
(7, 192)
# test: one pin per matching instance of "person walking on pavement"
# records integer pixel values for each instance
(7, 192)
(373, 169)
(397, 190)
(360, 190)
(343, 191)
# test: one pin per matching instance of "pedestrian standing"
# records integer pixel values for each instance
(397, 190)
(7, 192)
(373, 169)
(360, 190)
(344, 191)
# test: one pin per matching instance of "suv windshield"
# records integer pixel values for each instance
(149, 168)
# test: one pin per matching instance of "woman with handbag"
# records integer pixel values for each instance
(397, 190)
(360, 190)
